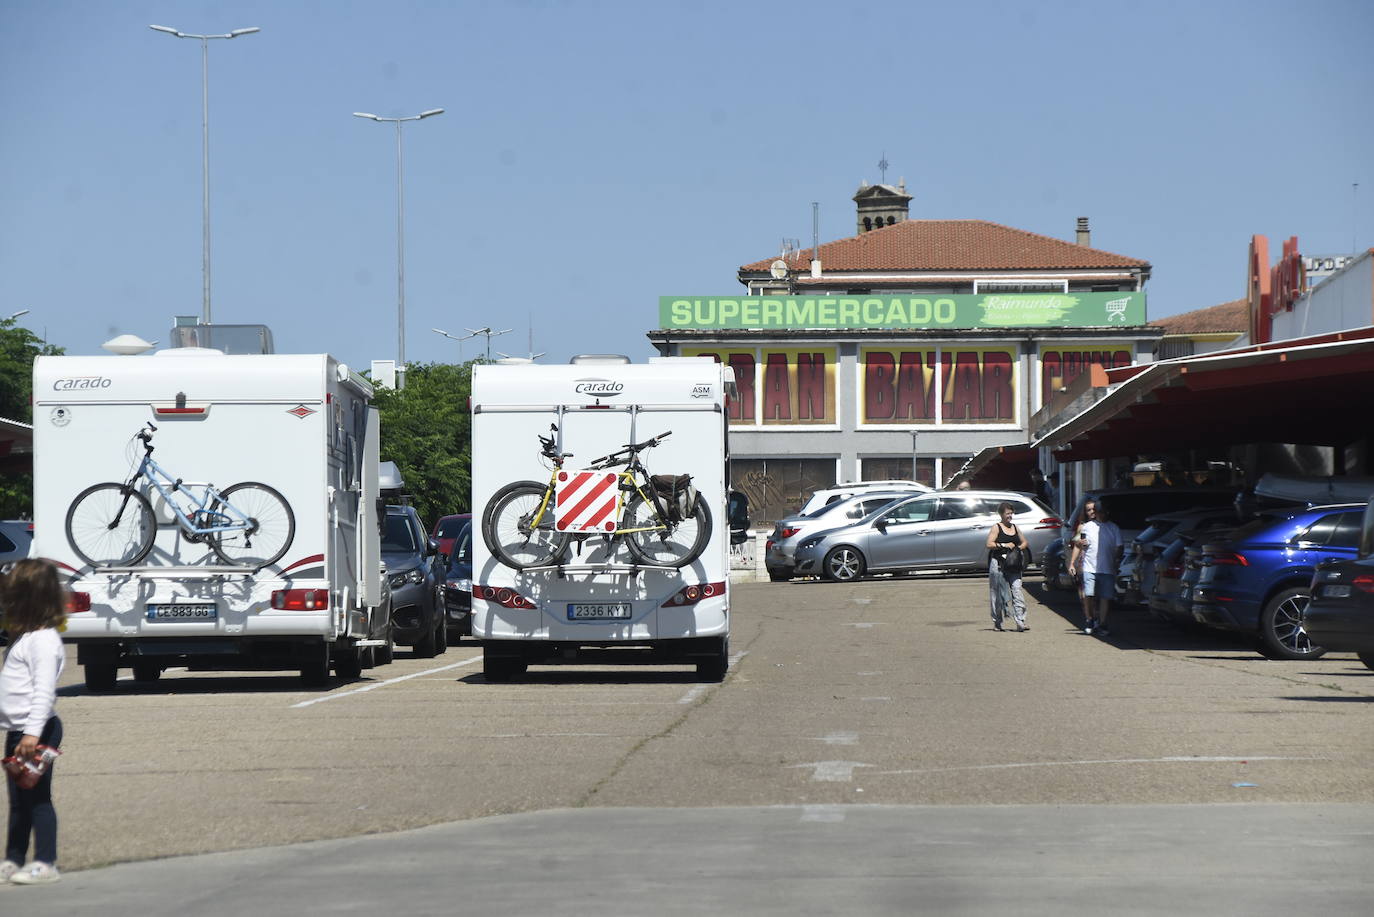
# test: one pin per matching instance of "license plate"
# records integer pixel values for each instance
(1336, 592)
(599, 611)
(182, 611)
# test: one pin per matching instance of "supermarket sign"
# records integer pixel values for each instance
(990, 310)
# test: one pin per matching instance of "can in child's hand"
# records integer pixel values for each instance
(27, 773)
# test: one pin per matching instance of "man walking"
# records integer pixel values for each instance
(1097, 555)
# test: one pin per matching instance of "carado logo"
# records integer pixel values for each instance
(601, 388)
(79, 383)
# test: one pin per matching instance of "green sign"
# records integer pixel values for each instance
(990, 310)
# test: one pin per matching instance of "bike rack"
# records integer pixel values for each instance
(596, 569)
(178, 572)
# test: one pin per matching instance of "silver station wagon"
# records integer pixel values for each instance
(944, 530)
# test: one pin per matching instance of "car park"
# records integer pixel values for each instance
(454, 576)
(408, 555)
(1258, 581)
(1137, 565)
(844, 491)
(780, 549)
(936, 531)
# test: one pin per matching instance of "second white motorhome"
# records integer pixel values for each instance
(574, 588)
(260, 547)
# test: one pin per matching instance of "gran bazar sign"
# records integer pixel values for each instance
(991, 310)
(940, 384)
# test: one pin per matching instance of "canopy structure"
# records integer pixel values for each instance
(16, 447)
(1315, 391)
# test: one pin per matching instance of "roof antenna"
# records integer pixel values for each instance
(882, 167)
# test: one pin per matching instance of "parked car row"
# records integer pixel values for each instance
(891, 532)
(1240, 569)
(1340, 615)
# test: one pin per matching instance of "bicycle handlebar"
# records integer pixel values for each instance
(629, 450)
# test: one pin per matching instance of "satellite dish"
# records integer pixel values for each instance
(778, 269)
(128, 344)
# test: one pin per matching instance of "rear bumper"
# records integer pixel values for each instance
(1231, 614)
(1343, 629)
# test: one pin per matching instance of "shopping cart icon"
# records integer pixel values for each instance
(1116, 309)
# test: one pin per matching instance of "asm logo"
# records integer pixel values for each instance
(703, 391)
(302, 411)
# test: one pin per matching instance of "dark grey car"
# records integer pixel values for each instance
(937, 531)
(408, 553)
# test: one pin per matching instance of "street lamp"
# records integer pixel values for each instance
(490, 334)
(17, 314)
(451, 337)
(205, 151)
(400, 237)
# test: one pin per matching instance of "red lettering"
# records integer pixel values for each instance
(878, 385)
(777, 394)
(1051, 367)
(743, 365)
(997, 390)
(913, 401)
(811, 386)
(965, 402)
(1121, 358)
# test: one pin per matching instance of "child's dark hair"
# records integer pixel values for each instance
(32, 597)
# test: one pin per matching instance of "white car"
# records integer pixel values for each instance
(844, 491)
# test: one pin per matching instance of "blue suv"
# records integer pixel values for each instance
(1257, 582)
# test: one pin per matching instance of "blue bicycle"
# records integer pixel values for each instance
(113, 525)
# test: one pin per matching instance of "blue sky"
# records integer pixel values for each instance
(596, 155)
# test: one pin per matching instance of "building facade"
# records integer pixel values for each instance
(900, 352)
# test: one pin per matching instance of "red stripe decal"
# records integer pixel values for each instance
(590, 498)
(313, 558)
(566, 492)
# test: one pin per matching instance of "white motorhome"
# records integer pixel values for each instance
(596, 601)
(301, 426)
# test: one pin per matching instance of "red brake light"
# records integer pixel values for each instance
(690, 595)
(78, 601)
(1228, 559)
(768, 545)
(1364, 583)
(1049, 522)
(788, 532)
(507, 598)
(300, 599)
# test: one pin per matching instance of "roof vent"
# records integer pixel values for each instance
(602, 359)
(1084, 237)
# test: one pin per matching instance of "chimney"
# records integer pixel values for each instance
(1084, 237)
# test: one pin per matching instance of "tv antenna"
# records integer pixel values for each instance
(473, 332)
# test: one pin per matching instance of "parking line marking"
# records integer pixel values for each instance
(697, 690)
(1172, 759)
(382, 684)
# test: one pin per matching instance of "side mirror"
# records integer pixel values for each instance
(881, 524)
(431, 547)
(738, 510)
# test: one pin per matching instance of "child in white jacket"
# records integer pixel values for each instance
(34, 603)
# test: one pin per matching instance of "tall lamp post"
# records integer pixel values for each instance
(205, 151)
(400, 236)
(452, 337)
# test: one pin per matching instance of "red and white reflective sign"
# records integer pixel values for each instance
(586, 501)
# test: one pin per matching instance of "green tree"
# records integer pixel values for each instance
(427, 432)
(18, 348)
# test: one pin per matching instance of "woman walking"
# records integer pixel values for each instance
(1005, 546)
(34, 604)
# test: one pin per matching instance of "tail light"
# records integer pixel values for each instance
(690, 595)
(1049, 522)
(506, 598)
(788, 532)
(1226, 559)
(1364, 583)
(1173, 571)
(768, 545)
(300, 599)
(78, 601)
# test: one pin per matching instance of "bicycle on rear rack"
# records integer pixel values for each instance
(659, 518)
(113, 525)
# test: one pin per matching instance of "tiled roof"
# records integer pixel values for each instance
(953, 245)
(1229, 317)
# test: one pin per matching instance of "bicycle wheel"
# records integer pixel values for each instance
(111, 525)
(272, 526)
(665, 544)
(509, 530)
